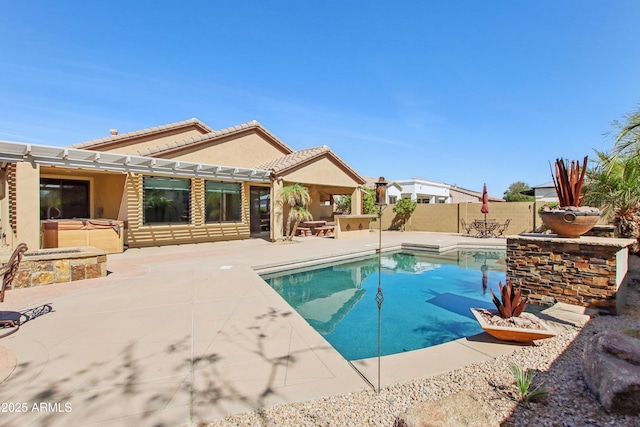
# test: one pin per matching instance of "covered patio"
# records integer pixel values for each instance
(323, 173)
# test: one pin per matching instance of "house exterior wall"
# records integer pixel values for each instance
(106, 188)
(460, 197)
(120, 195)
(247, 151)
(27, 207)
(140, 235)
(321, 172)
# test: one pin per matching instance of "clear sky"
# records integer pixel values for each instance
(462, 92)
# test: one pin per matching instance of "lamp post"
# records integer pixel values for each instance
(381, 203)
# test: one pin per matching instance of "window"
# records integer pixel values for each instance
(64, 198)
(393, 200)
(222, 201)
(166, 200)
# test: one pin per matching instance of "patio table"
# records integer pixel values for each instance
(313, 225)
(485, 228)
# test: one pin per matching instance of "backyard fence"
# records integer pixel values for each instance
(446, 217)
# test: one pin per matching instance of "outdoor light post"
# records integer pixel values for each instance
(381, 196)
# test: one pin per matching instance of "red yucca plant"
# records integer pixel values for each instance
(569, 180)
(511, 305)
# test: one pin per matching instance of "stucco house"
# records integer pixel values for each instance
(419, 190)
(543, 192)
(463, 195)
(182, 182)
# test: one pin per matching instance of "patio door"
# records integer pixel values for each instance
(260, 210)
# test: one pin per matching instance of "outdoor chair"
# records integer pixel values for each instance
(467, 227)
(502, 228)
(8, 272)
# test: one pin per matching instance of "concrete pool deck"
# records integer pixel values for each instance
(178, 335)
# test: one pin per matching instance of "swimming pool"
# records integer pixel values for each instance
(426, 299)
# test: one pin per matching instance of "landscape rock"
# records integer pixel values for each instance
(611, 362)
(456, 410)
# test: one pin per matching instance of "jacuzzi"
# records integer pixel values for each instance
(105, 234)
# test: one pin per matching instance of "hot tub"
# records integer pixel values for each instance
(105, 234)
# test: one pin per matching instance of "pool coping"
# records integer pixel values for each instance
(321, 260)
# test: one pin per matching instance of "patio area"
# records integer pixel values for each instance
(183, 334)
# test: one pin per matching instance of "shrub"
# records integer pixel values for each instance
(524, 379)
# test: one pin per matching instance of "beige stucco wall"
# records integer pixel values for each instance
(107, 193)
(27, 204)
(322, 171)
(106, 188)
(247, 151)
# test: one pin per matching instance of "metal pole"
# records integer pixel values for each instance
(379, 296)
(381, 201)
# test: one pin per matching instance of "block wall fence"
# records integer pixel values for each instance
(446, 217)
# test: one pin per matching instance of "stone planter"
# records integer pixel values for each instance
(567, 223)
(514, 333)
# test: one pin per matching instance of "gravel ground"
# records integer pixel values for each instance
(557, 362)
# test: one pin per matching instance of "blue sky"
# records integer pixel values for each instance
(463, 92)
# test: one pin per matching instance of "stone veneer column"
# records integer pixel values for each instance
(587, 271)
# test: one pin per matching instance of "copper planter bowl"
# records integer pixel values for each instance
(569, 223)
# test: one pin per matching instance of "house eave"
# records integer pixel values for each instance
(14, 152)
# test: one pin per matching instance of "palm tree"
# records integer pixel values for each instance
(614, 186)
(628, 137)
(297, 197)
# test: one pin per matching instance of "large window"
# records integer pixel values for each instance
(64, 198)
(222, 201)
(166, 200)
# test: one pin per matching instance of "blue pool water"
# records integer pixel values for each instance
(426, 299)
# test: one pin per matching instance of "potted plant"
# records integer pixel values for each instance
(509, 322)
(570, 218)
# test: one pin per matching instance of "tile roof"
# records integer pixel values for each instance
(213, 135)
(475, 194)
(143, 132)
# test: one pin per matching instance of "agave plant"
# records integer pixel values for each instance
(569, 180)
(512, 303)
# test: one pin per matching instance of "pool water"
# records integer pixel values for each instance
(426, 299)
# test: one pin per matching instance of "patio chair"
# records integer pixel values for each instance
(8, 272)
(502, 228)
(467, 227)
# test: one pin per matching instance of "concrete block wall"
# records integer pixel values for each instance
(446, 217)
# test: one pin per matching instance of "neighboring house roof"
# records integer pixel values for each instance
(475, 194)
(421, 181)
(549, 184)
(142, 133)
(298, 158)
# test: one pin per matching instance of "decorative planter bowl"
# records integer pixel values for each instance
(513, 333)
(569, 223)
